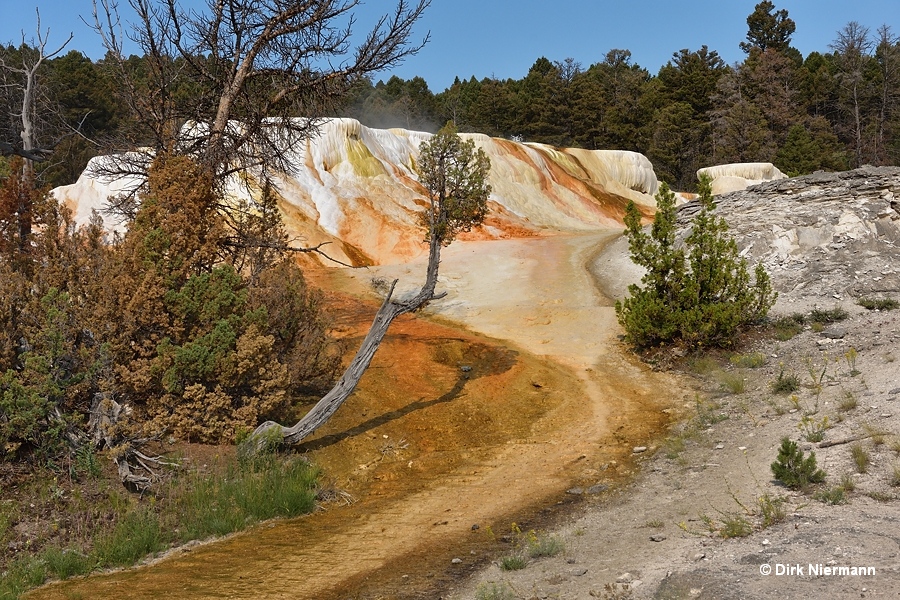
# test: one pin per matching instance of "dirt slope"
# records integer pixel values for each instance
(429, 448)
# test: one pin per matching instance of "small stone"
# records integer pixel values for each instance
(720, 446)
(575, 491)
(834, 334)
(625, 578)
(658, 538)
(639, 449)
(698, 557)
(465, 368)
(571, 561)
(742, 448)
(597, 489)
(886, 415)
(476, 527)
(766, 542)
(578, 572)
(456, 561)
(894, 391)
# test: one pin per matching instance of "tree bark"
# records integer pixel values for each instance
(332, 401)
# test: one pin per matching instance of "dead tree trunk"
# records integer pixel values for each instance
(332, 401)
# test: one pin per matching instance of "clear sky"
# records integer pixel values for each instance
(503, 38)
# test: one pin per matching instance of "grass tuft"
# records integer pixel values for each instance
(513, 562)
(753, 360)
(540, 544)
(860, 457)
(492, 590)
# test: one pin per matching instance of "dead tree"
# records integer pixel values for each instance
(240, 84)
(20, 84)
(454, 175)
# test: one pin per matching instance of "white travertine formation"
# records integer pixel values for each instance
(738, 176)
(357, 187)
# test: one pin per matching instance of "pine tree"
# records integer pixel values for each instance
(699, 294)
(768, 30)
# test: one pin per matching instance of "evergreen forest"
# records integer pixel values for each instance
(833, 109)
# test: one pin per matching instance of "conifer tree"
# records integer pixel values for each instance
(768, 30)
(698, 294)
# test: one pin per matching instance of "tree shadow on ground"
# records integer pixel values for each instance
(486, 360)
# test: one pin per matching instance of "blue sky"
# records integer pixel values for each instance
(503, 38)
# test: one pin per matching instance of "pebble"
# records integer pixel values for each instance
(597, 489)
(625, 578)
(720, 446)
(657, 538)
(456, 561)
(639, 449)
(575, 491)
(578, 572)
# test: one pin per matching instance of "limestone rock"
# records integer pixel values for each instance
(820, 235)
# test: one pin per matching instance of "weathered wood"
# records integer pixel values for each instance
(332, 401)
(842, 441)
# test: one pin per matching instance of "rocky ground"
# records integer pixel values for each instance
(701, 516)
(705, 517)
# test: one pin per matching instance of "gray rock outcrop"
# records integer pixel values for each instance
(825, 234)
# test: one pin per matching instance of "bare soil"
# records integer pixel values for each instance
(691, 524)
(452, 435)
(535, 415)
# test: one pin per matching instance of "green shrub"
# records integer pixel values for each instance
(771, 509)
(878, 303)
(832, 315)
(735, 526)
(786, 383)
(793, 469)
(700, 294)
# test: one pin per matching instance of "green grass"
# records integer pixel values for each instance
(754, 360)
(833, 496)
(860, 457)
(190, 507)
(492, 590)
(66, 563)
(732, 382)
(264, 489)
(895, 476)
(847, 401)
(135, 536)
(513, 562)
(539, 545)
